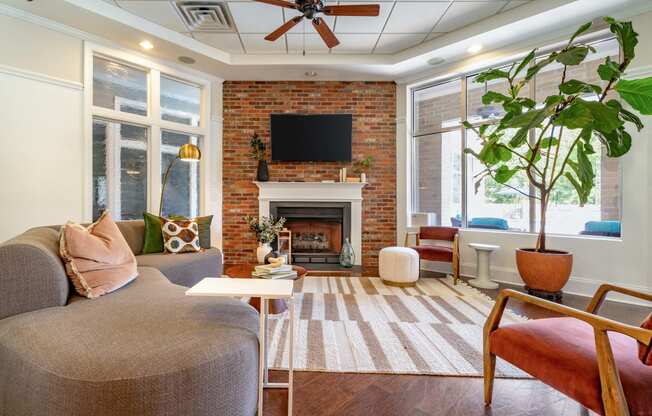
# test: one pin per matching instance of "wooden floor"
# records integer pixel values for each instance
(379, 395)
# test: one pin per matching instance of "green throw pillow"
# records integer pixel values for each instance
(153, 239)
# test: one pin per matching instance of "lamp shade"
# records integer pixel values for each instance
(189, 153)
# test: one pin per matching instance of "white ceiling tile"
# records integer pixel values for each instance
(414, 17)
(229, 42)
(434, 35)
(514, 4)
(461, 14)
(253, 17)
(392, 43)
(256, 43)
(314, 44)
(355, 43)
(157, 11)
(363, 24)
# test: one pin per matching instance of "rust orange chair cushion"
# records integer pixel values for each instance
(561, 353)
(645, 352)
(98, 259)
(434, 253)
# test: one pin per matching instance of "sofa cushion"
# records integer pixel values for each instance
(185, 269)
(153, 235)
(98, 260)
(180, 236)
(561, 353)
(147, 349)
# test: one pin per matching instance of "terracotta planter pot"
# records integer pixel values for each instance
(545, 272)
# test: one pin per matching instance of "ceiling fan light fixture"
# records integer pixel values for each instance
(147, 45)
(475, 48)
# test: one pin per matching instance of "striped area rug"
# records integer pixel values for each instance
(360, 325)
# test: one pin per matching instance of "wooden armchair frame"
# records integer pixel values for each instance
(455, 264)
(613, 398)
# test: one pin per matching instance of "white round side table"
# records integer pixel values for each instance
(484, 252)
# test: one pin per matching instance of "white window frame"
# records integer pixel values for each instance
(463, 77)
(152, 121)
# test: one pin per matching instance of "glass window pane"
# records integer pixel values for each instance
(565, 216)
(491, 205)
(180, 102)
(547, 81)
(437, 179)
(477, 112)
(119, 169)
(181, 196)
(437, 107)
(119, 87)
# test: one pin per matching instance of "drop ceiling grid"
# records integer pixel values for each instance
(407, 23)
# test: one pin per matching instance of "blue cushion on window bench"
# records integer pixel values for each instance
(602, 227)
(489, 223)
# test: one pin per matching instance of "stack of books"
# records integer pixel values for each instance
(268, 271)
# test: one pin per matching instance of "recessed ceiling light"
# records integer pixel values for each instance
(474, 48)
(146, 45)
(437, 60)
(186, 60)
(310, 74)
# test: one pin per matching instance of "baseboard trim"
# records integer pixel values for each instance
(36, 76)
(577, 285)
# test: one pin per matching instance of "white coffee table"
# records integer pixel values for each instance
(265, 290)
(483, 279)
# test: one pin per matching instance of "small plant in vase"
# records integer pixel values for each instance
(551, 141)
(266, 229)
(258, 153)
(361, 167)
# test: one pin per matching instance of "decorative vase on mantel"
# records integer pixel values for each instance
(262, 251)
(262, 173)
(347, 255)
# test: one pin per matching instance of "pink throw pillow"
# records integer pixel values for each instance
(98, 259)
(645, 351)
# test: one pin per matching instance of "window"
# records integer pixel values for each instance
(436, 155)
(128, 128)
(181, 195)
(119, 169)
(437, 170)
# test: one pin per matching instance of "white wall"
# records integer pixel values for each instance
(626, 261)
(42, 139)
(40, 127)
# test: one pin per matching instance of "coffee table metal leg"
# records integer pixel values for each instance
(291, 356)
(265, 306)
(262, 354)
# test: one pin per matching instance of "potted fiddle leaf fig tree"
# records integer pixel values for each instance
(576, 121)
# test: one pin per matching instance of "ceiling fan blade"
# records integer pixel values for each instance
(281, 3)
(325, 32)
(352, 10)
(284, 28)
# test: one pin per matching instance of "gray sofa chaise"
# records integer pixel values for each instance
(145, 349)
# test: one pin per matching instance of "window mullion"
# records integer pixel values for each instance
(463, 157)
(154, 143)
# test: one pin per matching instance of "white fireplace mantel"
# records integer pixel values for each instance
(317, 192)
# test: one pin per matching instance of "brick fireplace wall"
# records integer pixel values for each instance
(247, 107)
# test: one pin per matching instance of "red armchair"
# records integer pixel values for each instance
(443, 253)
(603, 364)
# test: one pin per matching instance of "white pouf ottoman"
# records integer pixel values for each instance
(399, 266)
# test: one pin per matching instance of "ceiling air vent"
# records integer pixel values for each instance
(205, 16)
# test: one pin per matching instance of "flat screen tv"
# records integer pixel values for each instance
(311, 137)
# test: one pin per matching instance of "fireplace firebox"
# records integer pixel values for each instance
(318, 229)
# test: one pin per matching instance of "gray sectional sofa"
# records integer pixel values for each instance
(145, 349)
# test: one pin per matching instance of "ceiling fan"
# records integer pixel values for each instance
(310, 9)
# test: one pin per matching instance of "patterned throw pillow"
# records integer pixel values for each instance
(180, 236)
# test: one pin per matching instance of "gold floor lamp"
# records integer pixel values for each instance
(187, 153)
